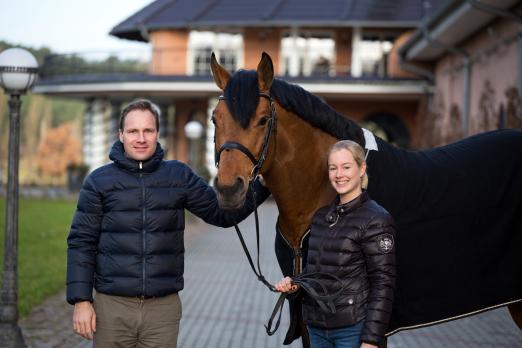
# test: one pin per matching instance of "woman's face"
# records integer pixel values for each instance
(345, 174)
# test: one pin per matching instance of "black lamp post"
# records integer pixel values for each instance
(18, 72)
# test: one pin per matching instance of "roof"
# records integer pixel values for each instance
(451, 25)
(213, 14)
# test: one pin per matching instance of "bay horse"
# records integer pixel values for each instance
(458, 208)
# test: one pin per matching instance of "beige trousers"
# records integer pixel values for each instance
(123, 322)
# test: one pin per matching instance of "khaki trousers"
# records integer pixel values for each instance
(123, 322)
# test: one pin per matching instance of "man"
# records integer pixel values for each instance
(126, 238)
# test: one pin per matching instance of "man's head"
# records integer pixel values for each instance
(139, 129)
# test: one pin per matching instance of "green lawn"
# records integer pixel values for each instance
(42, 247)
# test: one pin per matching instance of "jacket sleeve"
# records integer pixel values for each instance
(378, 246)
(201, 200)
(82, 244)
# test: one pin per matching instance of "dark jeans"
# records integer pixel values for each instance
(345, 337)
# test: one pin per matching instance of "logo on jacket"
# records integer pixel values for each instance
(385, 243)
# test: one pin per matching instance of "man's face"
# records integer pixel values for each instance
(139, 135)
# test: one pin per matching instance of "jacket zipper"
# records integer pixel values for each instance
(143, 242)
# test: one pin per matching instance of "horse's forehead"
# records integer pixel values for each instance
(242, 96)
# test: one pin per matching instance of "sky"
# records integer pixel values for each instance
(67, 26)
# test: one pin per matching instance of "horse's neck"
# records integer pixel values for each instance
(297, 175)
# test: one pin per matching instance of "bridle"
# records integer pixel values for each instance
(258, 163)
(323, 297)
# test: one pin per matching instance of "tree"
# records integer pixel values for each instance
(58, 150)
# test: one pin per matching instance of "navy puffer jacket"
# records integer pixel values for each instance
(126, 237)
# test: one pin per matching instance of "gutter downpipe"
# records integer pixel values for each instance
(506, 14)
(427, 74)
(467, 75)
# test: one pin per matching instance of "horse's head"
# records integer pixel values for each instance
(244, 120)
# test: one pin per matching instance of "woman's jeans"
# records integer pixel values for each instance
(345, 337)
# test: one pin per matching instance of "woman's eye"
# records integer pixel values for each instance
(263, 121)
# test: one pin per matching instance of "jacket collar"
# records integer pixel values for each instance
(117, 155)
(337, 210)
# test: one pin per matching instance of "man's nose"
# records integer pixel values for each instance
(141, 137)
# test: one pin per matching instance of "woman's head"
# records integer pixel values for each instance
(347, 169)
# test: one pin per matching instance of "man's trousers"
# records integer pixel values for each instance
(123, 322)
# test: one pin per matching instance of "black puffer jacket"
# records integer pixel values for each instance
(355, 242)
(126, 237)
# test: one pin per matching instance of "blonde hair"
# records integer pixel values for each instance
(358, 155)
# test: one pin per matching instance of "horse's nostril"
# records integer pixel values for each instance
(240, 181)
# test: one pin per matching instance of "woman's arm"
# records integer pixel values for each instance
(378, 246)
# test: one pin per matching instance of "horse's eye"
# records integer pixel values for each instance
(213, 119)
(263, 121)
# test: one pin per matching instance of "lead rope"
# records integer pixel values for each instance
(304, 280)
(257, 271)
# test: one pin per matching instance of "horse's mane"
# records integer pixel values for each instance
(242, 98)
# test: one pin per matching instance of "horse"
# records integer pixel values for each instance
(458, 208)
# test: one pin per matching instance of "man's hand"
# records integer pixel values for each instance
(84, 319)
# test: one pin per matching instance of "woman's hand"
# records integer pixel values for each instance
(286, 285)
(367, 345)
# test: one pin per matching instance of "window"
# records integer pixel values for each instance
(370, 52)
(307, 54)
(226, 46)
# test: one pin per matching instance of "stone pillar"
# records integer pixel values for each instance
(96, 133)
(356, 69)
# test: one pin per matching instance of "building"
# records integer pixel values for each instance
(475, 51)
(345, 51)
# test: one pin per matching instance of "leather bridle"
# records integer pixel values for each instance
(233, 145)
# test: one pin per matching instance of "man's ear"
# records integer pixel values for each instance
(120, 134)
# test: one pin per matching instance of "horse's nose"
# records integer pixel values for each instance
(230, 190)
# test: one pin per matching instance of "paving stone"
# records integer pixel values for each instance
(225, 306)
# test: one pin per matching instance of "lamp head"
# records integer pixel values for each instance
(18, 70)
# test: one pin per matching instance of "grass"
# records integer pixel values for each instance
(42, 247)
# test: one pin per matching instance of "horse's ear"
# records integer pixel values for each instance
(265, 73)
(221, 75)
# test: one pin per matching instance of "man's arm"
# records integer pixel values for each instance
(81, 258)
(201, 200)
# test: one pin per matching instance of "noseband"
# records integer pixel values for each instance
(258, 163)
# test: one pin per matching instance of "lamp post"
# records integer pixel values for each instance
(193, 131)
(18, 72)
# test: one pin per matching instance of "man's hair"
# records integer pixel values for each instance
(357, 152)
(140, 104)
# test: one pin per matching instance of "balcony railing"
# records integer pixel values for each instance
(95, 63)
(173, 62)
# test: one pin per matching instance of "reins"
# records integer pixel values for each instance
(304, 280)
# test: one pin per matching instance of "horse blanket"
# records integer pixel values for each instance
(458, 210)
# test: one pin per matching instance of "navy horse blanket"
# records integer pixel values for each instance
(458, 210)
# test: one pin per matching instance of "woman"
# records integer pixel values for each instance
(354, 240)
